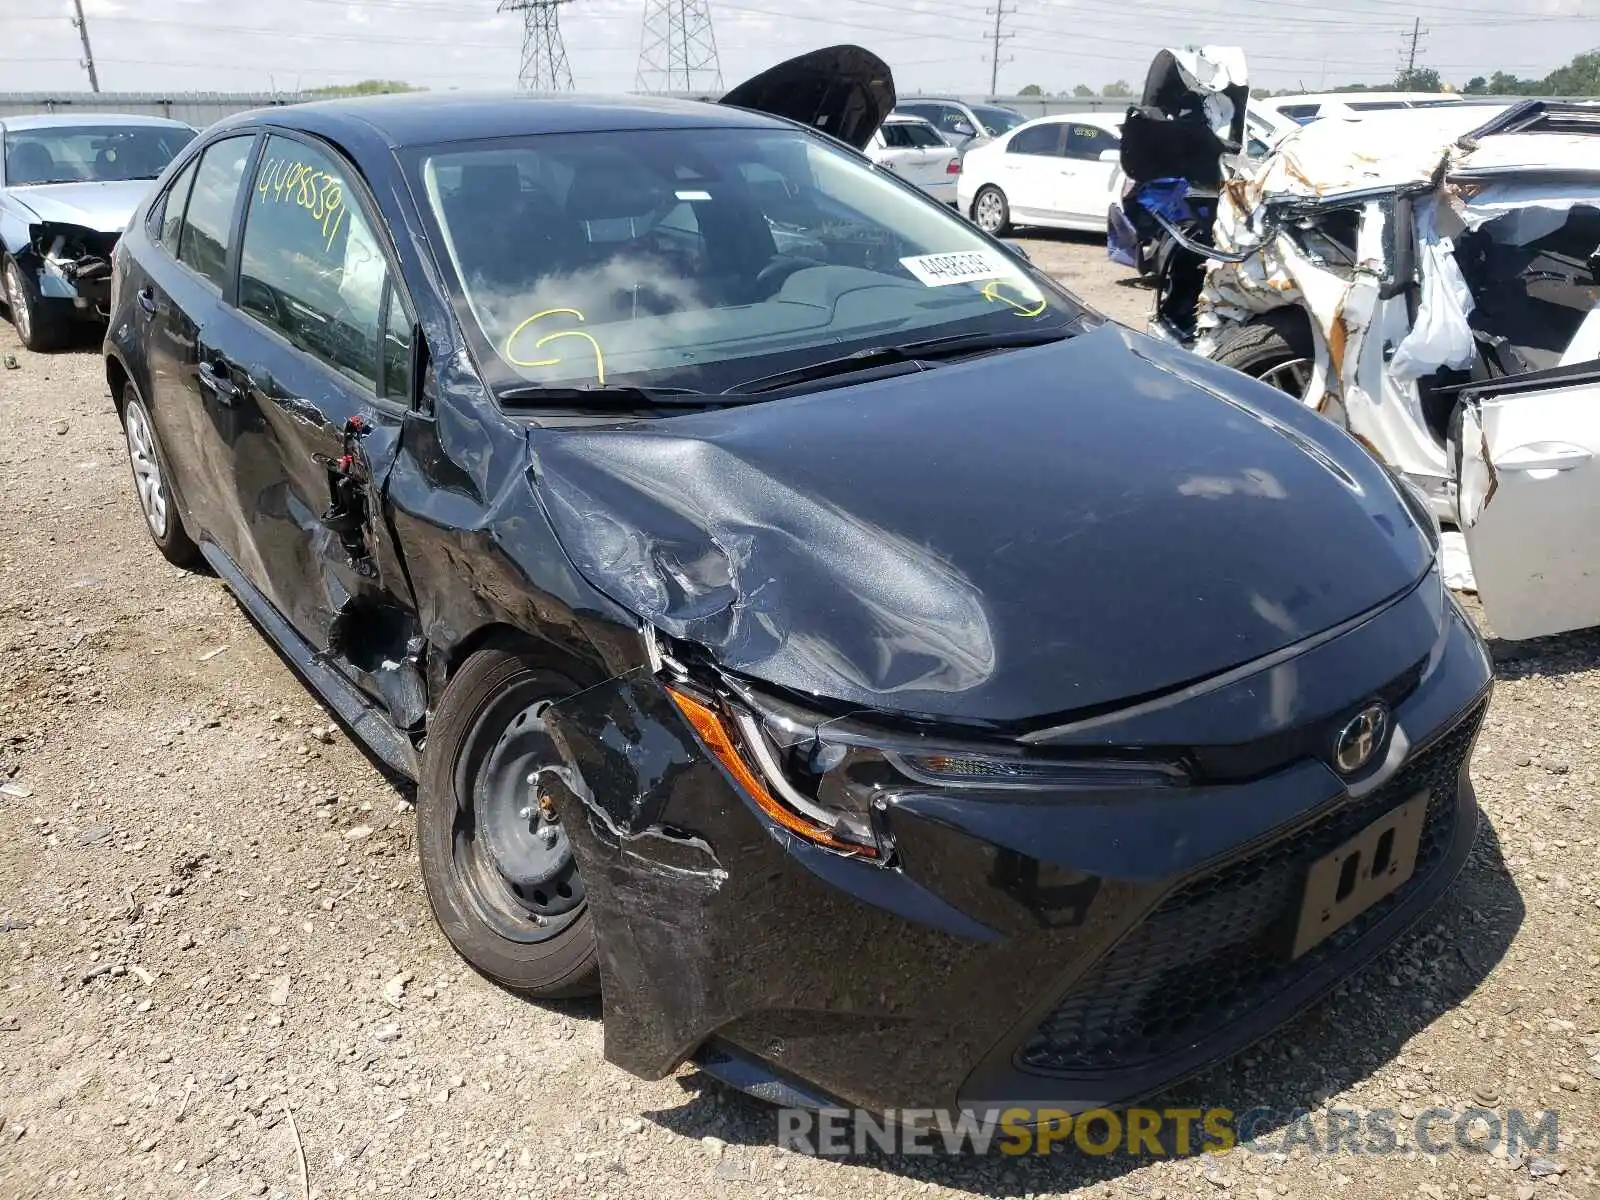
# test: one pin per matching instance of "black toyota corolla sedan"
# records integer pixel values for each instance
(881, 678)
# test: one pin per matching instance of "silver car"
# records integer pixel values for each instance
(68, 186)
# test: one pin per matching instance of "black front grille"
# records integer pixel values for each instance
(1218, 946)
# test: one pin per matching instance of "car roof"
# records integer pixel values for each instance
(1108, 121)
(85, 119)
(1360, 98)
(420, 118)
(900, 118)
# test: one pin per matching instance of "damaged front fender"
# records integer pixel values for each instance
(70, 262)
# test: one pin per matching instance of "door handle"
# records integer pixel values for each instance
(1544, 456)
(147, 299)
(214, 378)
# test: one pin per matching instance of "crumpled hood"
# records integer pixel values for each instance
(1002, 539)
(102, 207)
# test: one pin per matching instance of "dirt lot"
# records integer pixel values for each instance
(215, 950)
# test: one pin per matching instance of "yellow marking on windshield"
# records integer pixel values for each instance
(538, 316)
(599, 358)
(991, 291)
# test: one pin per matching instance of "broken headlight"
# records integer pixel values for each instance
(824, 780)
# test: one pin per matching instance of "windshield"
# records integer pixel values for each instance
(91, 153)
(701, 258)
(998, 120)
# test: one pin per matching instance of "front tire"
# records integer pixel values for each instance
(150, 476)
(497, 866)
(1274, 349)
(39, 323)
(990, 212)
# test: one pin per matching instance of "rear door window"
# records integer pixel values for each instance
(1300, 112)
(896, 136)
(923, 138)
(311, 266)
(1039, 139)
(1090, 141)
(952, 117)
(208, 219)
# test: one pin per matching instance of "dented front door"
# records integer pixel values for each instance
(1529, 505)
(319, 380)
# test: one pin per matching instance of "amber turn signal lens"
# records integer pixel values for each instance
(712, 729)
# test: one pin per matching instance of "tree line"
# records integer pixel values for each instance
(1580, 77)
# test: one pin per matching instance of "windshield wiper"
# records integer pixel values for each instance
(607, 395)
(952, 346)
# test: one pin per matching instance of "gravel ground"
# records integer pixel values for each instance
(216, 953)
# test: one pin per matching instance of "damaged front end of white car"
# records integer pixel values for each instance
(1430, 280)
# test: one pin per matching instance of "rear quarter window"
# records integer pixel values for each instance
(166, 215)
(208, 219)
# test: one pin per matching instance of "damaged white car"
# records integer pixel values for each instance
(67, 188)
(1426, 279)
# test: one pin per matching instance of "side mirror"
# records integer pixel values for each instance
(963, 129)
(1019, 250)
(1111, 156)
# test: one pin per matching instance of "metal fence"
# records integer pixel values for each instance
(195, 108)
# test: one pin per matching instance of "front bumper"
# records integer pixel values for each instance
(1065, 951)
(73, 273)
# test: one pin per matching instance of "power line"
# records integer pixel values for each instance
(1000, 13)
(88, 54)
(1414, 39)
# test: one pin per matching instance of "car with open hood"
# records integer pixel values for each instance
(883, 679)
(68, 185)
(1427, 279)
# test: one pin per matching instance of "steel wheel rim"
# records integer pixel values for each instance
(1292, 377)
(511, 858)
(146, 468)
(14, 299)
(988, 212)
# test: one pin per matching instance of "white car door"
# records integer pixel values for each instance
(1090, 172)
(890, 147)
(1029, 170)
(1528, 501)
(928, 157)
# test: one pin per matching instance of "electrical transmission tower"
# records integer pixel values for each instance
(678, 51)
(544, 54)
(88, 54)
(1000, 13)
(1409, 46)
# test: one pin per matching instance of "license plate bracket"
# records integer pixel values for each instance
(1343, 884)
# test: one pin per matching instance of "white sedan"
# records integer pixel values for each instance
(914, 150)
(1059, 172)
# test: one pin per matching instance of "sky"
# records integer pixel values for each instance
(932, 45)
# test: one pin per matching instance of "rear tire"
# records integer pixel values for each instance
(40, 324)
(150, 483)
(498, 870)
(990, 212)
(1277, 350)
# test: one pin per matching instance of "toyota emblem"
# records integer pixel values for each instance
(1360, 739)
